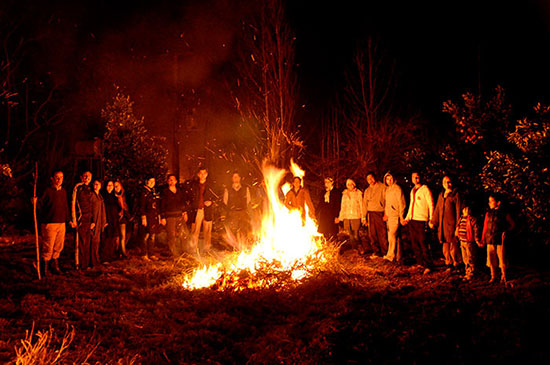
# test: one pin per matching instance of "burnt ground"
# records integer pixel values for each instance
(370, 312)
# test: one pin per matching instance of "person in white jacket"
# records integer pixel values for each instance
(420, 212)
(393, 215)
(351, 212)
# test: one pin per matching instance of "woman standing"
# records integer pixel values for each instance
(111, 235)
(99, 222)
(351, 212)
(124, 216)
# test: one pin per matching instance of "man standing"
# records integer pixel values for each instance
(172, 212)
(374, 202)
(420, 212)
(446, 216)
(99, 222)
(201, 210)
(54, 213)
(148, 211)
(237, 200)
(328, 209)
(393, 214)
(298, 197)
(82, 218)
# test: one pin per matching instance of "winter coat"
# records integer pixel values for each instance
(395, 201)
(328, 211)
(374, 198)
(99, 217)
(446, 216)
(421, 206)
(172, 204)
(496, 222)
(112, 213)
(352, 205)
(194, 200)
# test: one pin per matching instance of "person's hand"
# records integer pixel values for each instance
(503, 236)
(92, 226)
(185, 217)
(431, 225)
(121, 214)
(72, 224)
(34, 200)
(207, 203)
(144, 221)
(385, 218)
(163, 221)
(336, 220)
(480, 244)
(364, 221)
(404, 222)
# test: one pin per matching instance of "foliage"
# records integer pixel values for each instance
(522, 173)
(131, 153)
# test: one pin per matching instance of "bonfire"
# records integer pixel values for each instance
(287, 247)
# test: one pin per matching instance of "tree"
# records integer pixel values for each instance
(267, 88)
(131, 153)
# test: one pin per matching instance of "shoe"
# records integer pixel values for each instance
(374, 256)
(448, 270)
(146, 258)
(492, 280)
(427, 271)
(153, 258)
(387, 258)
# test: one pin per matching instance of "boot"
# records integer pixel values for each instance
(55, 267)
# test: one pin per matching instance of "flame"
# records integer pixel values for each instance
(297, 170)
(286, 246)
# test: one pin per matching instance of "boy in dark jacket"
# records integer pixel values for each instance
(148, 211)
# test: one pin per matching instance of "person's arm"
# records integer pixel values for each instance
(434, 221)
(309, 204)
(402, 205)
(226, 196)
(430, 201)
(364, 205)
(409, 212)
(248, 197)
(73, 204)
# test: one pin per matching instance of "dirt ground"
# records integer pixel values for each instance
(371, 312)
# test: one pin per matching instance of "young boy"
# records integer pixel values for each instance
(467, 232)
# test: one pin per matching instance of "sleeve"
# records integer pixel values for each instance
(409, 213)
(162, 204)
(309, 204)
(73, 203)
(226, 196)
(365, 204)
(475, 227)
(483, 234)
(248, 197)
(430, 201)
(458, 204)
(341, 207)
(438, 206)
(402, 203)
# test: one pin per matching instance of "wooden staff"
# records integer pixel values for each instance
(34, 200)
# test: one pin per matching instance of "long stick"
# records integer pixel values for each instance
(36, 222)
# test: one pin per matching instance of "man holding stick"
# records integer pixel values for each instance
(54, 213)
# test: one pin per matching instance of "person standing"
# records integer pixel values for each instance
(373, 206)
(53, 210)
(496, 226)
(113, 210)
(351, 212)
(420, 212)
(328, 209)
(201, 196)
(81, 207)
(237, 201)
(99, 222)
(394, 210)
(298, 198)
(149, 218)
(124, 216)
(172, 213)
(467, 232)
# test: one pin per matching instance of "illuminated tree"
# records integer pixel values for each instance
(131, 153)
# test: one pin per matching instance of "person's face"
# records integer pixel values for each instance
(87, 177)
(57, 179)
(118, 187)
(492, 202)
(465, 211)
(110, 187)
(236, 179)
(350, 185)
(203, 174)
(151, 183)
(97, 186)
(172, 181)
(296, 183)
(415, 178)
(371, 180)
(389, 180)
(328, 184)
(447, 183)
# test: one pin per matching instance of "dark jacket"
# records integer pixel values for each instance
(172, 204)
(446, 215)
(99, 217)
(82, 203)
(194, 200)
(53, 206)
(496, 222)
(112, 211)
(147, 203)
(327, 212)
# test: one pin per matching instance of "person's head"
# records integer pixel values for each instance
(329, 183)
(236, 178)
(97, 186)
(466, 210)
(415, 178)
(447, 183)
(371, 178)
(86, 177)
(172, 180)
(350, 184)
(150, 182)
(296, 182)
(118, 187)
(388, 179)
(202, 174)
(109, 186)
(57, 178)
(494, 201)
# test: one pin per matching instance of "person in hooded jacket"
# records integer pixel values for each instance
(394, 210)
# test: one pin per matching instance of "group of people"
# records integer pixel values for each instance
(100, 217)
(381, 208)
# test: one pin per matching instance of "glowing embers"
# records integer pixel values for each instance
(287, 249)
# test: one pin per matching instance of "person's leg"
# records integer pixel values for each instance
(48, 241)
(196, 231)
(96, 242)
(59, 243)
(355, 224)
(145, 243)
(455, 252)
(347, 228)
(501, 254)
(381, 233)
(123, 239)
(492, 261)
(446, 253)
(207, 235)
(424, 246)
(393, 225)
(171, 225)
(84, 238)
(373, 234)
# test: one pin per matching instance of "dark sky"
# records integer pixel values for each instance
(440, 51)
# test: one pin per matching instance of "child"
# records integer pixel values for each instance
(495, 227)
(467, 232)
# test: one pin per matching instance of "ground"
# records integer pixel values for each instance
(371, 311)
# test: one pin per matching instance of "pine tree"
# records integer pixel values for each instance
(131, 153)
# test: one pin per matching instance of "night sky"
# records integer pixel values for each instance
(154, 49)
